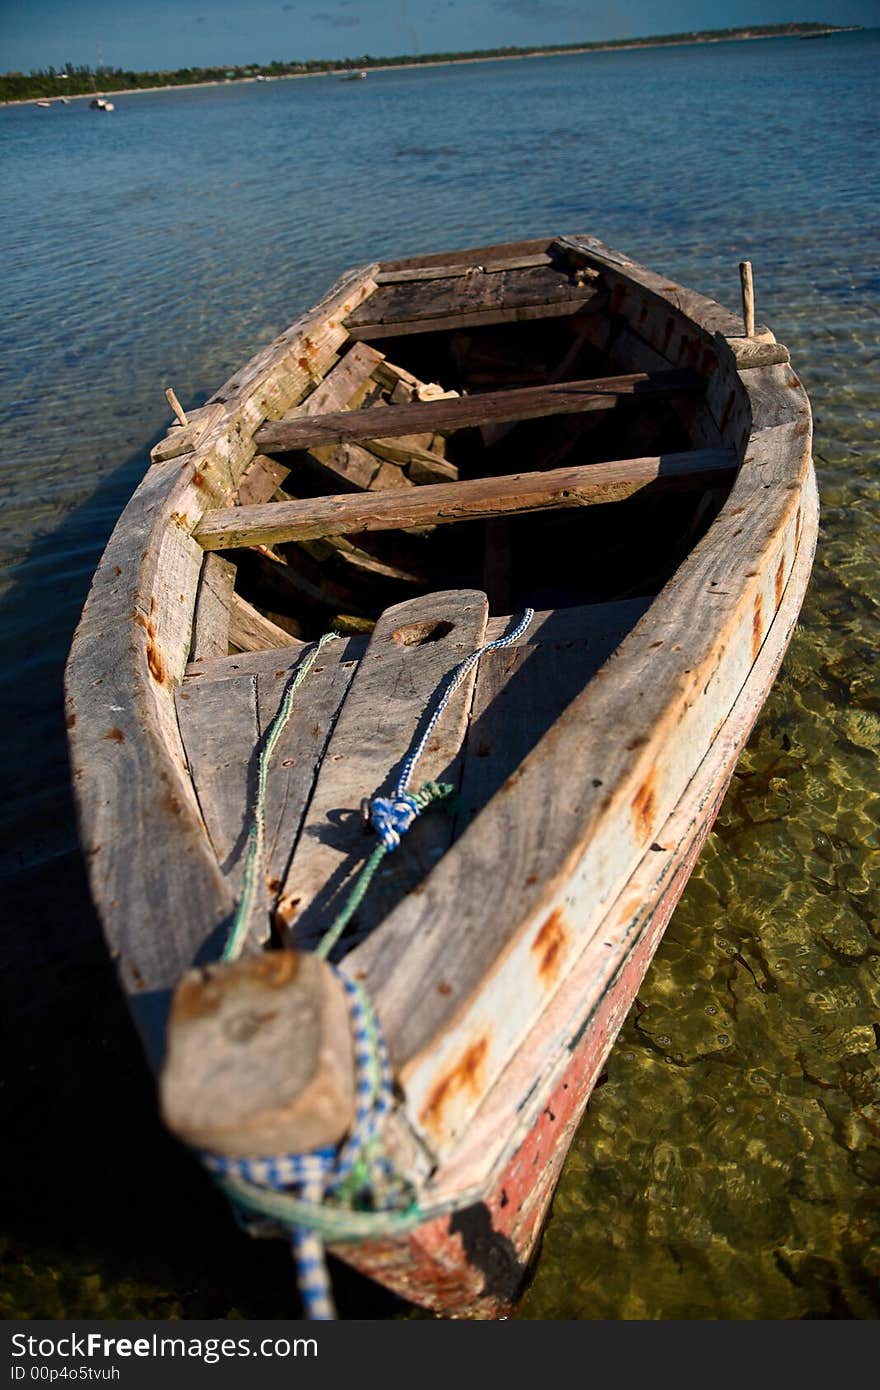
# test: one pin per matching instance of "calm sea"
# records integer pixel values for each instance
(729, 1166)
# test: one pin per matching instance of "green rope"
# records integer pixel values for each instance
(431, 791)
(253, 865)
(333, 1224)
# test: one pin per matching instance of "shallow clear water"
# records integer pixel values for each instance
(729, 1165)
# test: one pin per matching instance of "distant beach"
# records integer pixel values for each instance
(349, 65)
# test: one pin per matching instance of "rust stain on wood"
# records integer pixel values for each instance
(71, 720)
(154, 659)
(643, 806)
(466, 1075)
(757, 625)
(115, 735)
(779, 581)
(549, 946)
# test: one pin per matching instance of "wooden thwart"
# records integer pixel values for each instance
(524, 403)
(448, 272)
(273, 523)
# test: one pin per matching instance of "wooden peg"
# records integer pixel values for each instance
(748, 297)
(178, 409)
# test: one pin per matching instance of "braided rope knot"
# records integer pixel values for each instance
(392, 816)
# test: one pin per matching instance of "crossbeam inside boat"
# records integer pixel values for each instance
(271, 524)
(492, 407)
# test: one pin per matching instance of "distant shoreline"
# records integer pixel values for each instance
(347, 66)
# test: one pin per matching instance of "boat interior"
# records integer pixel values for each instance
(523, 387)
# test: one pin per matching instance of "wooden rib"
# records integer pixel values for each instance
(524, 403)
(250, 631)
(211, 619)
(261, 481)
(589, 484)
(339, 385)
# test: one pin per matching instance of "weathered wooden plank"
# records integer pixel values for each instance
(211, 619)
(339, 385)
(273, 662)
(421, 465)
(413, 649)
(752, 352)
(250, 630)
(518, 313)
(456, 296)
(444, 272)
(261, 480)
(585, 485)
(301, 746)
(353, 465)
(218, 725)
(523, 403)
(182, 439)
(522, 689)
(471, 255)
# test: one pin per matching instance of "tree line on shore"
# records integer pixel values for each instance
(73, 80)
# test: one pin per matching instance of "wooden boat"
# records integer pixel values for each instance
(440, 443)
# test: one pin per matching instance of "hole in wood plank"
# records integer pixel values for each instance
(418, 634)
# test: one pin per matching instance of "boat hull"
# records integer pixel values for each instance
(586, 844)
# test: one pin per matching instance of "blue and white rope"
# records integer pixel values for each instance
(392, 816)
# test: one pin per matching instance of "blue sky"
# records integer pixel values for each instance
(177, 33)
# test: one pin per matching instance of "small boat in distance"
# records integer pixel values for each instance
(101, 104)
(353, 77)
(42, 102)
(530, 525)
